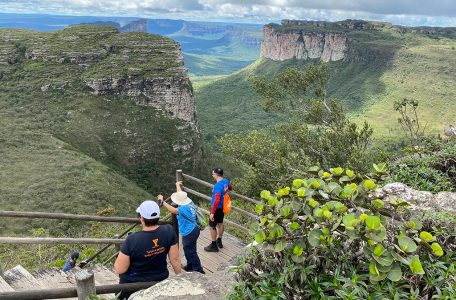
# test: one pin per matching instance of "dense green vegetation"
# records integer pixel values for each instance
(385, 66)
(323, 237)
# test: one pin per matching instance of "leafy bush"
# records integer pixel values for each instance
(435, 172)
(326, 238)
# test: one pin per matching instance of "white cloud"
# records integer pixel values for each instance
(406, 12)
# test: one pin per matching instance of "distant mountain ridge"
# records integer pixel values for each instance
(208, 47)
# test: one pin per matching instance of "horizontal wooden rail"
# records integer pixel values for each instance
(72, 292)
(62, 216)
(53, 241)
(209, 198)
(211, 185)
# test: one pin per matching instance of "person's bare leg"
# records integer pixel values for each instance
(220, 230)
(213, 232)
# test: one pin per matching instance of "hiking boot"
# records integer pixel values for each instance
(187, 268)
(211, 248)
(219, 243)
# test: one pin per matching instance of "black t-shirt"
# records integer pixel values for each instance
(147, 251)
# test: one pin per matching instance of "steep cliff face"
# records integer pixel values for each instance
(332, 41)
(300, 44)
(148, 69)
(135, 26)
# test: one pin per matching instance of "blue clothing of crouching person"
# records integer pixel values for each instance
(71, 262)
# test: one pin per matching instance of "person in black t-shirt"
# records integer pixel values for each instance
(143, 255)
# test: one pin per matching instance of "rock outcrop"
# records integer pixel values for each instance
(190, 286)
(135, 26)
(419, 200)
(450, 130)
(301, 44)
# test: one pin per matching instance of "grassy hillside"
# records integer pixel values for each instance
(387, 66)
(64, 148)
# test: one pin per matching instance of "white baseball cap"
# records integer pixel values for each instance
(149, 210)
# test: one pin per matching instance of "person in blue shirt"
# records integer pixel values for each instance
(188, 229)
(71, 262)
(221, 187)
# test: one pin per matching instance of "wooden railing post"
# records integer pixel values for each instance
(179, 177)
(85, 284)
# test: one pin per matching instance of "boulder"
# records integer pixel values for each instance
(191, 286)
(450, 130)
(419, 200)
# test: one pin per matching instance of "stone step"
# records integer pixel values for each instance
(4, 286)
(104, 276)
(54, 279)
(21, 280)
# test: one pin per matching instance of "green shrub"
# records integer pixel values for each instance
(324, 237)
(433, 171)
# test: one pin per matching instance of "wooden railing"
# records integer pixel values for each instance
(72, 292)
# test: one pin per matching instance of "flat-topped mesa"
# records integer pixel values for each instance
(333, 41)
(147, 69)
(280, 43)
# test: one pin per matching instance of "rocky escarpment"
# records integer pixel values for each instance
(147, 69)
(135, 26)
(301, 44)
(332, 41)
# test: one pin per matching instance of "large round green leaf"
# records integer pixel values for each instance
(396, 273)
(347, 220)
(298, 250)
(265, 194)
(406, 244)
(437, 249)
(369, 185)
(377, 235)
(280, 245)
(260, 237)
(294, 226)
(415, 265)
(259, 208)
(373, 222)
(314, 237)
(376, 278)
(426, 236)
(385, 260)
(298, 182)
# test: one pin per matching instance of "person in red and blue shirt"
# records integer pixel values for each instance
(221, 187)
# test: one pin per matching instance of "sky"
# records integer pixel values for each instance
(401, 12)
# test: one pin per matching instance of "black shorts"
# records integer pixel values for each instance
(218, 218)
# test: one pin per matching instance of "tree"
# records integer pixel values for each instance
(318, 131)
(409, 120)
